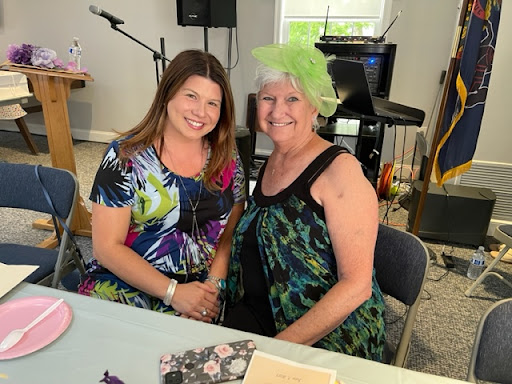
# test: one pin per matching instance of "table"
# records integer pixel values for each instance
(52, 89)
(129, 341)
(15, 100)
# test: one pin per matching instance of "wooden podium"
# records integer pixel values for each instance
(52, 89)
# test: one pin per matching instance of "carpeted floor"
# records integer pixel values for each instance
(446, 321)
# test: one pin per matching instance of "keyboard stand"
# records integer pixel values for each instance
(370, 136)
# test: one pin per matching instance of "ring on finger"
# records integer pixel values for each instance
(204, 312)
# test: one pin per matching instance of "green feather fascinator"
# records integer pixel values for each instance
(308, 65)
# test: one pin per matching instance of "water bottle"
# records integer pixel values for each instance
(75, 53)
(476, 265)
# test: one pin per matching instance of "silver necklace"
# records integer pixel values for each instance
(191, 253)
(195, 234)
(193, 207)
(195, 226)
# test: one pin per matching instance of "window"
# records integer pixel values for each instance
(304, 21)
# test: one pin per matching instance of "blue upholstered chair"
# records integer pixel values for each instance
(52, 191)
(492, 349)
(401, 264)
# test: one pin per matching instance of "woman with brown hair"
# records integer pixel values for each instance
(167, 196)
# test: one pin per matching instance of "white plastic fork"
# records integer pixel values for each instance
(15, 335)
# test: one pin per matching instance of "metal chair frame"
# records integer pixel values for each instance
(502, 233)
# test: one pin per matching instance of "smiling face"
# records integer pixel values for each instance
(195, 109)
(284, 114)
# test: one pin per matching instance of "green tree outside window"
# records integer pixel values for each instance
(309, 32)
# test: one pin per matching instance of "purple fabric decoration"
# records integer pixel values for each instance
(28, 54)
(44, 57)
(20, 54)
(111, 379)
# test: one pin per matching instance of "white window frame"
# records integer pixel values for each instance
(281, 24)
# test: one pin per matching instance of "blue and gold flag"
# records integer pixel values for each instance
(468, 90)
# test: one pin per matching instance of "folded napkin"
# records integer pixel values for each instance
(12, 275)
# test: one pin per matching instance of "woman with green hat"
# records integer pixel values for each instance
(302, 257)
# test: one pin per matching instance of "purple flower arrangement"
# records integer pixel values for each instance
(20, 54)
(28, 54)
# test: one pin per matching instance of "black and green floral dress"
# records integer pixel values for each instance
(297, 267)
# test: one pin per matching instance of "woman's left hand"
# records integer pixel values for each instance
(212, 286)
(197, 301)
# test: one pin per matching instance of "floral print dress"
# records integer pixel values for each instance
(161, 224)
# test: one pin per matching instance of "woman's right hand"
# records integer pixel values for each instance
(110, 226)
(191, 299)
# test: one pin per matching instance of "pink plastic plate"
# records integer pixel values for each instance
(19, 313)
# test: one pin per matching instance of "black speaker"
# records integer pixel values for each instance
(368, 149)
(243, 143)
(206, 13)
(251, 121)
(453, 213)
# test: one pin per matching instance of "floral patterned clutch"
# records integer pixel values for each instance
(215, 364)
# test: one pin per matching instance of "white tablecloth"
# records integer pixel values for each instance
(129, 342)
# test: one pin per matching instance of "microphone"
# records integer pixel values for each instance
(97, 11)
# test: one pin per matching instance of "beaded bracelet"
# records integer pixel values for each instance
(219, 283)
(170, 292)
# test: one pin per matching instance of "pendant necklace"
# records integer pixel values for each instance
(193, 207)
(195, 234)
(273, 171)
(195, 226)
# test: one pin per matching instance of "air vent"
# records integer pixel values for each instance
(498, 178)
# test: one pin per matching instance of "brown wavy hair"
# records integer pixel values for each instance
(152, 126)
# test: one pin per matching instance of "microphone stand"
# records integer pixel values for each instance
(205, 36)
(230, 38)
(162, 49)
(156, 55)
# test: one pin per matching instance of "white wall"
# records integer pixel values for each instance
(424, 36)
(494, 142)
(123, 71)
(423, 49)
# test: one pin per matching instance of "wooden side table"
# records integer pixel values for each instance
(52, 90)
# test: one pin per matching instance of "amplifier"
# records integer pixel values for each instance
(378, 61)
(453, 213)
(352, 39)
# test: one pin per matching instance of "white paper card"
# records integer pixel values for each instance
(268, 369)
(12, 275)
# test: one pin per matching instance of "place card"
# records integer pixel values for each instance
(268, 369)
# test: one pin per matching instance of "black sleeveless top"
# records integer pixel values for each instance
(283, 263)
(254, 313)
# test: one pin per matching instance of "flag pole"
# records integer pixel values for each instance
(440, 117)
